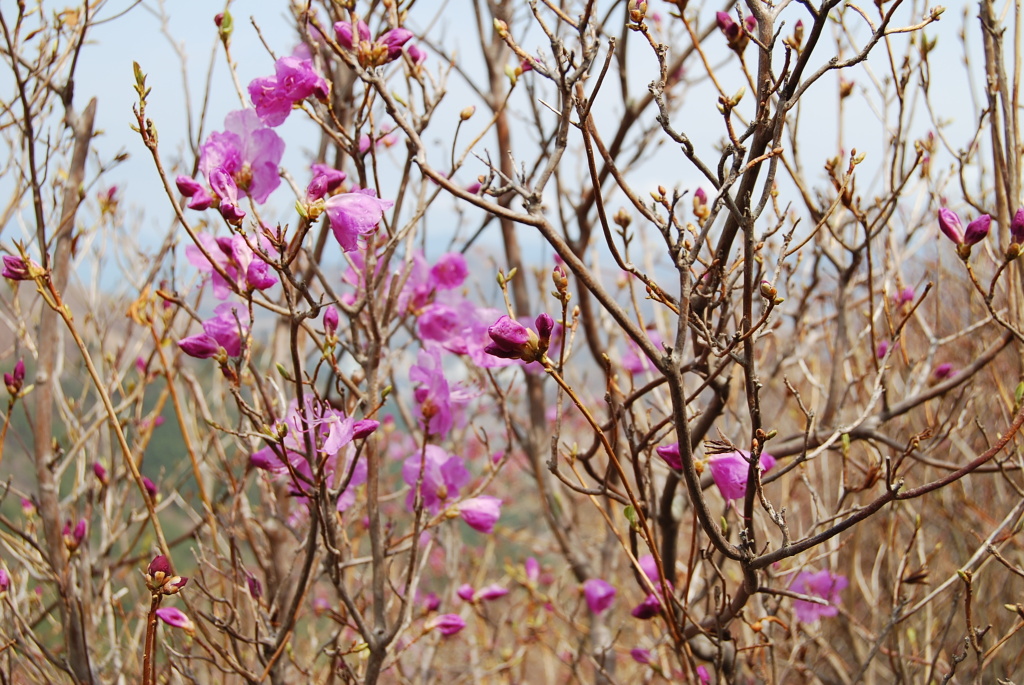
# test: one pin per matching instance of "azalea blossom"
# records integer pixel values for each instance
(512, 340)
(354, 215)
(176, 618)
(481, 513)
(446, 624)
(245, 269)
(730, 471)
(824, 584)
(243, 158)
(599, 595)
(444, 475)
(293, 81)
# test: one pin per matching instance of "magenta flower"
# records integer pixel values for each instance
(1017, 227)
(703, 675)
(254, 585)
(824, 584)
(16, 378)
(354, 215)
(949, 224)
(151, 488)
(490, 593)
(330, 320)
(200, 346)
(730, 471)
(436, 402)
(735, 35)
(245, 269)
(100, 473)
(977, 230)
(244, 157)
(329, 431)
(512, 340)
(343, 32)
(481, 513)
(446, 624)
(5, 581)
(176, 618)
(449, 271)
(670, 453)
(325, 181)
(294, 80)
(883, 348)
(944, 371)
(465, 592)
(905, 296)
(416, 55)
(17, 269)
(228, 326)
(444, 475)
(430, 601)
(641, 656)
(650, 568)
(532, 569)
(599, 595)
(649, 608)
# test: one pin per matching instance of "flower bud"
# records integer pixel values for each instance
(1017, 227)
(466, 113)
(15, 379)
(949, 224)
(977, 230)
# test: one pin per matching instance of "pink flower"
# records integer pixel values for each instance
(977, 230)
(512, 340)
(244, 157)
(703, 675)
(100, 473)
(228, 326)
(670, 453)
(200, 346)
(904, 296)
(294, 80)
(446, 624)
(354, 215)
(824, 584)
(944, 371)
(343, 32)
(444, 475)
(175, 618)
(730, 471)
(481, 513)
(532, 569)
(641, 656)
(599, 595)
(151, 488)
(449, 271)
(325, 181)
(949, 224)
(245, 269)
(490, 593)
(5, 581)
(18, 269)
(430, 601)
(1017, 227)
(330, 320)
(436, 402)
(649, 608)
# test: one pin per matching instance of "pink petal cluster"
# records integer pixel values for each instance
(949, 224)
(481, 513)
(176, 618)
(446, 624)
(293, 81)
(241, 160)
(824, 584)
(437, 404)
(224, 330)
(444, 475)
(354, 215)
(328, 431)
(236, 258)
(730, 471)
(599, 595)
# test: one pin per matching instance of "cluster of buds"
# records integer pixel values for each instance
(73, 536)
(387, 47)
(737, 36)
(161, 580)
(795, 41)
(1016, 234)
(15, 379)
(949, 224)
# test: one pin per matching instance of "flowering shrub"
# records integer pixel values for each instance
(593, 297)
